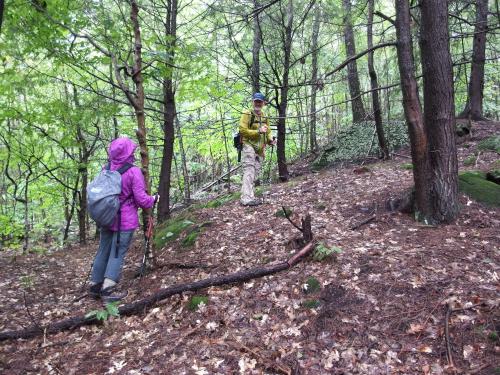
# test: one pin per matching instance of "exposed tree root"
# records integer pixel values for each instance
(143, 305)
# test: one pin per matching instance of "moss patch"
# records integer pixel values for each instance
(281, 213)
(475, 185)
(195, 302)
(171, 230)
(471, 160)
(311, 304)
(490, 144)
(220, 201)
(407, 166)
(312, 285)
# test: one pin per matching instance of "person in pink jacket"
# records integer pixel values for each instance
(108, 262)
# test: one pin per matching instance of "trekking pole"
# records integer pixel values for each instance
(270, 162)
(147, 241)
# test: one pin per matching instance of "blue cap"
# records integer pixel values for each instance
(258, 96)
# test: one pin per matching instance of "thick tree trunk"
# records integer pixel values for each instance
(374, 86)
(474, 105)
(256, 49)
(141, 306)
(439, 109)
(412, 108)
(313, 142)
(358, 111)
(169, 113)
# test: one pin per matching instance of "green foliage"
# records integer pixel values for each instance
(407, 166)
(27, 281)
(493, 336)
(312, 285)
(490, 144)
(191, 238)
(311, 304)
(171, 230)
(280, 213)
(110, 309)
(471, 160)
(475, 185)
(11, 232)
(221, 200)
(322, 253)
(196, 301)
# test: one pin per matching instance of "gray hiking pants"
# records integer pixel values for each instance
(108, 263)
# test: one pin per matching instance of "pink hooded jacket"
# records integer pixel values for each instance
(133, 194)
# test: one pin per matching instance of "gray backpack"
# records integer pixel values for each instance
(102, 196)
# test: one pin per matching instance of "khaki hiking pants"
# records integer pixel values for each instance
(251, 170)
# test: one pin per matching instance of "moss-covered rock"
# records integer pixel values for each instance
(490, 144)
(359, 141)
(171, 230)
(475, 185)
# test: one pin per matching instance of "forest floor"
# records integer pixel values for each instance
(381, 307)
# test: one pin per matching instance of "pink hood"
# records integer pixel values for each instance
(121, 151)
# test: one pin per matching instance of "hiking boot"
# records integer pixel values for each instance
(252, 203)
(111, 294)
(95, 290)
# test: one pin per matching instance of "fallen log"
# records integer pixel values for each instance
(143, 305)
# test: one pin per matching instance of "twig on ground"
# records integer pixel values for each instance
(449, 355)
(290, 220)
(364, 222)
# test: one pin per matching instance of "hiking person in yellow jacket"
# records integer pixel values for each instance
(255, 136)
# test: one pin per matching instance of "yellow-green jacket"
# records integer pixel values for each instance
(250, 132)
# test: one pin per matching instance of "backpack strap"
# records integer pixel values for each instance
(124, 168)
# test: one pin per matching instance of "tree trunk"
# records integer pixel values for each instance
(26, 214)
(474, 105)
(374, 87)
(358, 111)
(287, 50)
(412, 108)
(1, 14)
(169, 113)
(185, 172)
(256, 49)
(439, 109)
(138, 103)
(313, 143)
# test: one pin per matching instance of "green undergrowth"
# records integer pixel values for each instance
(172, 229)
(407, 166)
(358, 141)
(312, 285)
(287, 212)
(196, 301)
(490, 144)
(475, 185)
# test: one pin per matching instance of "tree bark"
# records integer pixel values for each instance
(474, 106)
(139, 307)
(358, 111)
(377, 112)
(256, 49)
(185, 171)
(313, 142)
(439, 109)
(169, 113)
(138, 102)
(2, 5)
(283, 103)
(412, 108)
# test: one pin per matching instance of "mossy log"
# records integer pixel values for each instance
(476, 186)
